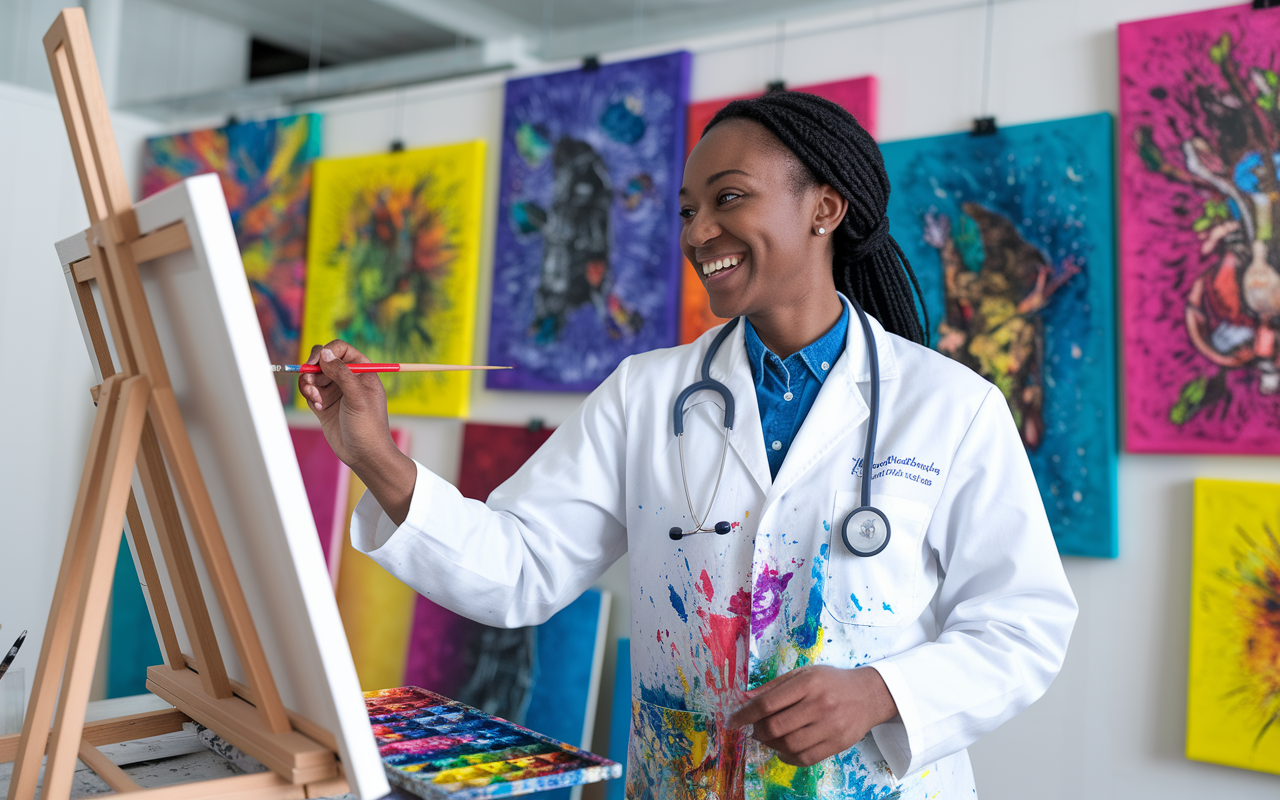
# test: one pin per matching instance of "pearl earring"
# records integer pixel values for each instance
(821, 231)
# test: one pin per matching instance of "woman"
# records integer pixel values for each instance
(771, 660)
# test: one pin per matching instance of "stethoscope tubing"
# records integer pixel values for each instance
(865, 511)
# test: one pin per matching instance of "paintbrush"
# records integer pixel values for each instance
(383, 368)
(13, 653)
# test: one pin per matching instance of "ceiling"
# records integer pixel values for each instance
(370, 44)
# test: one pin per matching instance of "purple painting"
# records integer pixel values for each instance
(587, 262)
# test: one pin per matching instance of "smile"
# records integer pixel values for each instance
(710, 268)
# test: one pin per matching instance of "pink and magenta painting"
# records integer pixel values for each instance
(1200, 261)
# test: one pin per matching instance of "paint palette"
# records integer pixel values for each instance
(435, 747)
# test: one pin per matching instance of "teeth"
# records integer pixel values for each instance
(711, 267)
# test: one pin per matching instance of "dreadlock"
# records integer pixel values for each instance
(868, 265)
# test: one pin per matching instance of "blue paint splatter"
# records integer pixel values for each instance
(854, 598)
(887, 607)
(805, 635)
(825, 526)
(678, 604)
(661, 697)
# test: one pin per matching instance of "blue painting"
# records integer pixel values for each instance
(1011, 237)
(620, 720)
(587, 259)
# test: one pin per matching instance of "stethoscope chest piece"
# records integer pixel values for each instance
(865, 531)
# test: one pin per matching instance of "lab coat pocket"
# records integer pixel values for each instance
(875, 590)
(677, 753)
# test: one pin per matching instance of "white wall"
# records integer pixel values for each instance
(46, 410)
(1110, 727)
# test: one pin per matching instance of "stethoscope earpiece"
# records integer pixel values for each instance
(722, 528)
(676, 534)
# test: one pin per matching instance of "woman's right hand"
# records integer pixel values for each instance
(352, 410)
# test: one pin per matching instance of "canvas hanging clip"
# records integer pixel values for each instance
(775, 86)
(1262, 5)
(590, 63)
(986, 126)
(397, 146)
(536, 424)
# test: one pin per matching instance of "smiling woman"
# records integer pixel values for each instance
(780, 653)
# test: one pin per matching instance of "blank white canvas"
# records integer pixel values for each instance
(213, 347)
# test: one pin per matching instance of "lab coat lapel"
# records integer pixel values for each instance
(732, 369)
(841, 406)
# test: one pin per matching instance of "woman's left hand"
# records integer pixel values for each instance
(814, 712)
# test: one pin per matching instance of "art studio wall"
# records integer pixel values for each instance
(1113, 724)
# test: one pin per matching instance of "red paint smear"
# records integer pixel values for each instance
(723, 636)
(740, 604)
(705, 587)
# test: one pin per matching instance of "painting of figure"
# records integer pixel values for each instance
(855, 95)
(265, 169)
(1233, 681)
(393, 266)
(587, 256)
(1010, 236)
(1200, 276)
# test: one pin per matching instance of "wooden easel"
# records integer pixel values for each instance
(138, 423)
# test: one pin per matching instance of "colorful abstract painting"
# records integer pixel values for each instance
(393, 267)
(327, 481)
(1233, 684)
(265, 169)
(1010, 236)
(855, 95)
(376, 608)
(439, 749)
(1200, 264)
(587, 261)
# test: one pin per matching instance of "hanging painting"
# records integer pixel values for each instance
(855, 95)
(265, 169)
(327, 481)
(393, 263)
(1010, 236)
(586, 267)
(1200, 276)
(1233, 683)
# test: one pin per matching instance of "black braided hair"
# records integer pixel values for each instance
(832, 148)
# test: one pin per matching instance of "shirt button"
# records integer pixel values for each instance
(788, 396)
(825, 365)
(777, 445)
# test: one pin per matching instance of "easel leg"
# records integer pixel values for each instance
(93, 594)
(53, 651)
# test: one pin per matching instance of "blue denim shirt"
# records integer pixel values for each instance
(786, 389)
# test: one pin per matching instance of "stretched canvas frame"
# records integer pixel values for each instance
(208, 331)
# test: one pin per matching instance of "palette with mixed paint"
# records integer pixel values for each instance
(435, 748)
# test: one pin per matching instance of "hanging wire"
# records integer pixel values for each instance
(317, 32)
(548, 18)
(637, 19)
(779, 45)
(986, 55)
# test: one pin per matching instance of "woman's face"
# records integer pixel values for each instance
(750, 226)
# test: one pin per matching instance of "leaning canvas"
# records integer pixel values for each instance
(265, 169)
(1233, 680)
(393, 265)
(1010, 236)
(1200, 271)
(220, 375)
(855, 95)
(587, 259)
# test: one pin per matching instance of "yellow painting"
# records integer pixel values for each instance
(1233, 696)
(392, 265)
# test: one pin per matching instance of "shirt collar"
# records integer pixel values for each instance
(825, 350)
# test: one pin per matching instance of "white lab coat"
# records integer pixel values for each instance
(966, 613)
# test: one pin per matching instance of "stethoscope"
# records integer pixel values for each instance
(866, 530)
